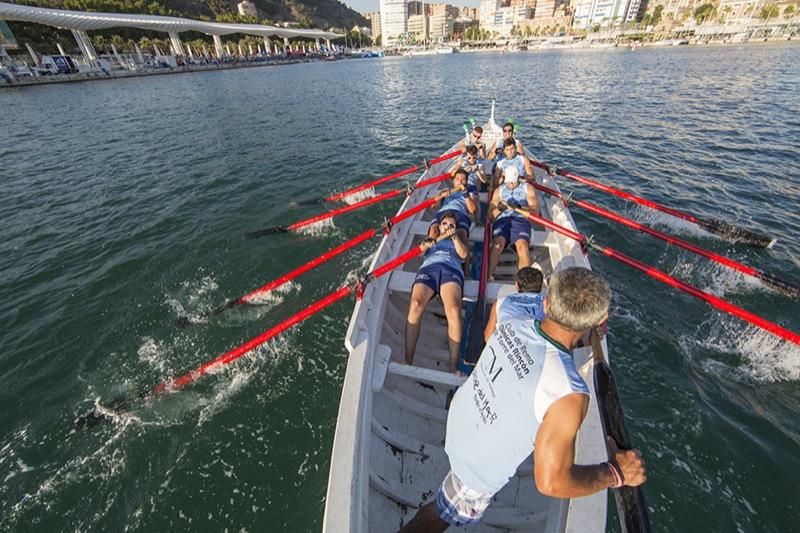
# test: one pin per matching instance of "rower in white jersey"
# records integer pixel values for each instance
(496, 151)
(508, 210)
(525, 395)
(512, 159)
(526, 304)
(459, 202)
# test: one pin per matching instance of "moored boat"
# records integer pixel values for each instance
(388, 454)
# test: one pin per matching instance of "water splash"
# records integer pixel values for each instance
(193, 301)
(317, 229)
(275, 296)
(714, 278)
(657, 219)
(359, 196)
(153, 354)
(764, 356)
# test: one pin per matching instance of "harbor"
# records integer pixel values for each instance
(130, 270)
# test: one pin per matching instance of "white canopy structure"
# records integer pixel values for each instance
(79, 22)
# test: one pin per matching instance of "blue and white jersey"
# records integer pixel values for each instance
(521, 306)
(457, 202)
(473, 182)
(516, 161)
(518, 194)
(499, 155)
(495, 415)
(443, 252)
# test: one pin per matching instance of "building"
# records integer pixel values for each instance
(506, 18)
(394, 20)
(418, 28)
(374, 18)
(414, 8)
(247, 8)
(607, 13)
(441, 27)
(487, 12)
(469, 13)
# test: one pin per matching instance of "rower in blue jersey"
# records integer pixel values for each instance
(496, 151)
(458, 201)
(511, 203)
(512, 158)
(526, 304)
(440, 274)
(473, 165)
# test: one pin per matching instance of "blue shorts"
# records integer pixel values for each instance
(435, 275)
(512, 229)
(459, 505)
(462, 221)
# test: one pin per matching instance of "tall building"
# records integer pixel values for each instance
(414, 7)
(605, 12)
(487, 13)
(441, 27)
(418, 27)
(374, 18)
(394, 20)
(247, 8)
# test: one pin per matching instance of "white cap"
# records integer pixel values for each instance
(511, 174)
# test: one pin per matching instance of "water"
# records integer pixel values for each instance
(124, 207)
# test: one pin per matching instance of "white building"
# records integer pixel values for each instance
(374, 18)
(505, 18)
(605, 12)
(487, 12)
(441, 27)
(394, 20)
(246, 7)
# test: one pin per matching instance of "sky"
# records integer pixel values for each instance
(363, 6)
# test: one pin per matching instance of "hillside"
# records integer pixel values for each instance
(323, 14)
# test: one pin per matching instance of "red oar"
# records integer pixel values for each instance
(346, 209)
(723, 229)
(390, 177)
(653, 272)
(324, 258)
(314, 308)
(786, 287)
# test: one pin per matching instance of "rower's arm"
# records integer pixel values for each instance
(554, 469)
(455, 166)
(528, 168)
(472, 205)
(491, 323)
(494, 210)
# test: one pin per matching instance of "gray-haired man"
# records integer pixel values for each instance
(525, 388)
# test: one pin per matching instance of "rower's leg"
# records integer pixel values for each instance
(421, 294)
(498, 245)
(426, 520)
(451, 298)
(523, 253)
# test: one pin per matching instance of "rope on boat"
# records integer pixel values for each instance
(317, 306)
(786, 287)
(714, 301)
(720, 228)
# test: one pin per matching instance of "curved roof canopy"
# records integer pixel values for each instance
(80, 20)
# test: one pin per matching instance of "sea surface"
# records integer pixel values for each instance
(123, 209)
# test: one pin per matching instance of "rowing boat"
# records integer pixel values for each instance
(388, 453)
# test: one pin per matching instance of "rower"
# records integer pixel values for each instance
(458, 201)
(440, 274)
(476, 140)
(496, 151)
(525, 394)
(512, 158)
(473, 165)
(511, 203)
(526, 304)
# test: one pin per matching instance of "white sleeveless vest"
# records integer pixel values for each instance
(496, 413)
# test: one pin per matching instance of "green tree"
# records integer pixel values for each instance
(788, 11)
(657, 13)
(703, 12)
(769, 11)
